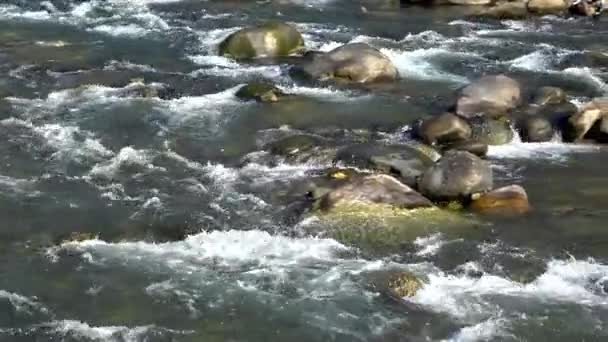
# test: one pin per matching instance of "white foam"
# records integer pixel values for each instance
(429, 245)
(415, 64)
(483, 331)
(554, 150)
(469, 299)
(327, 94)
(80, 330)
(128, 156)
(129, 18)
(22, 303)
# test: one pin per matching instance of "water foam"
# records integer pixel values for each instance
(470, 299)
(415, 64)
(22, 303)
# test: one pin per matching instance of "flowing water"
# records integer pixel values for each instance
(119, 122)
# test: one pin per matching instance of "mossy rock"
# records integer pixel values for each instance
(261, 92)
(491, 131)
(271, 39)
(379, 228)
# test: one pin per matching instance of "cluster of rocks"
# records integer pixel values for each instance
(522, 9)
(389, 187)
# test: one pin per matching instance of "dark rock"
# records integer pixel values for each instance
(456, 176)
(261, 92)
(444, 128)
(535, 129)
(403, 161)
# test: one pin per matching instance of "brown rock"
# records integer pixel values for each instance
(510, 199)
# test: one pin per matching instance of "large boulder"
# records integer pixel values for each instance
(302, 148)
(373, 189)
(490, 95)
(547, 6)
(357, 62)
(506, 200)
(444, 128)
(272, 39)
(403, 161)
(581, 123)
(507, 10)
(491, 131)
(456, 176)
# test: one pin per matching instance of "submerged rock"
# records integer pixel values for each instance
(456, 176)
(491, 131)
(404, 284)
(373, 189)
(272, 39)
(301, 148)
(444, 128)
(511, 199)
(403, 161)
(356, 62)
(490, 96)
(259, 91)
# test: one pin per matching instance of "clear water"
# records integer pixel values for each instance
(119, 121)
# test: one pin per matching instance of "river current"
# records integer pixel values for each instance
(119, 125)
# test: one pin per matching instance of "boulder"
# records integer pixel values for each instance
(373, 189)
(444, 128)
(549, 96)
(403, 161)
(357, 62)
(272, 39)
(535, 129)
(456, 176)
(580, 124)
(491, 131)
(259, 91)
(506, 200)
(492, 96)
(507, 10)
(547, 6)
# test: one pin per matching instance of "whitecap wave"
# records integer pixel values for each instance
(470, 299)
(22, 303)
(415, 64)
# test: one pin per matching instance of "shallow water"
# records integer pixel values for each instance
(119, 122)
